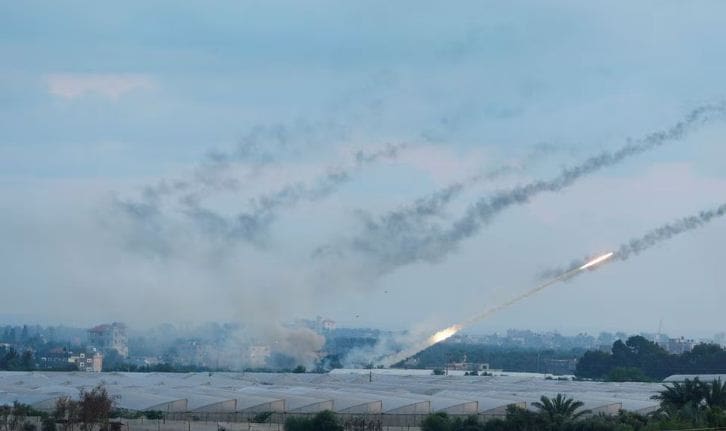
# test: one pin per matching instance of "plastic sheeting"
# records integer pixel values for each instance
(353, 392)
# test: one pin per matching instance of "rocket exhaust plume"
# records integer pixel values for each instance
(449, 332)
(633, 247)
(597, 260)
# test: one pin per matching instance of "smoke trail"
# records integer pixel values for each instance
(446, 333)
(631, 248)
(262, 145)
(250, 225)
(654, 237)
(392, 245)
(434, 205)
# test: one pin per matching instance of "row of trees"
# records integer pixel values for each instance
(639, 359)
(92, 410)
(506, 358)
(692, 404)
(12, 360)
(323, 421)
(15, 417)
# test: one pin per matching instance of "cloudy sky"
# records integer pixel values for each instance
(264, 160)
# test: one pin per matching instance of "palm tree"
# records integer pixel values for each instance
(560, 409)
(714, 394)
(679, 395)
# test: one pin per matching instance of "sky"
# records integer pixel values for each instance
(260, 161)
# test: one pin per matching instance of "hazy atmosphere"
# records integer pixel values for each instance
(391, 165)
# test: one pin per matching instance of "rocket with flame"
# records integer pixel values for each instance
(453, 329)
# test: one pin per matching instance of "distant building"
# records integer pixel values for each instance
(468, 366)
(91, 361)
(108, 337)
(676, 346)
(56, 358)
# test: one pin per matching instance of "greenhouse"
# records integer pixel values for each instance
(352, 392)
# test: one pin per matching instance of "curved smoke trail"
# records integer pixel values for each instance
(251, 224)
(633, 247)
(638, 245)
(390, 247)
(149, 222)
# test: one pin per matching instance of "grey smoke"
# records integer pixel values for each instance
(390, 245)
(251, 225)
(434, 205)
(650, 239)
(663, 233)
(262, 145)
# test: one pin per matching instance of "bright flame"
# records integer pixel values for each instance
(444, 334)
(447, 333)
(597, 260)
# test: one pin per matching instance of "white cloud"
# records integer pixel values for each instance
(110, 86)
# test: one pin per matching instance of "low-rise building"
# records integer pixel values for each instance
(677, 346)
(91, 361)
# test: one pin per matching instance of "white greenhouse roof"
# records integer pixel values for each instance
(346, 392)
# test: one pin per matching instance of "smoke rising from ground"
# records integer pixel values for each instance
(232, 346)
(390, 244)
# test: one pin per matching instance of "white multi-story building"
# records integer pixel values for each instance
(110, 336)
(91, 362)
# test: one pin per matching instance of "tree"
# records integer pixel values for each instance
(714, 394)
(261, 418)
(678, 396)
(594, 365)
(627, 374)
(66, 411)
(10, 360)
(48, 424)
(95, 407)
(297, 423)
(326, 421)
(154, 414)
(26, 361)
(436, 422)
(323, 421)
(560, 409)
(519, 419)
